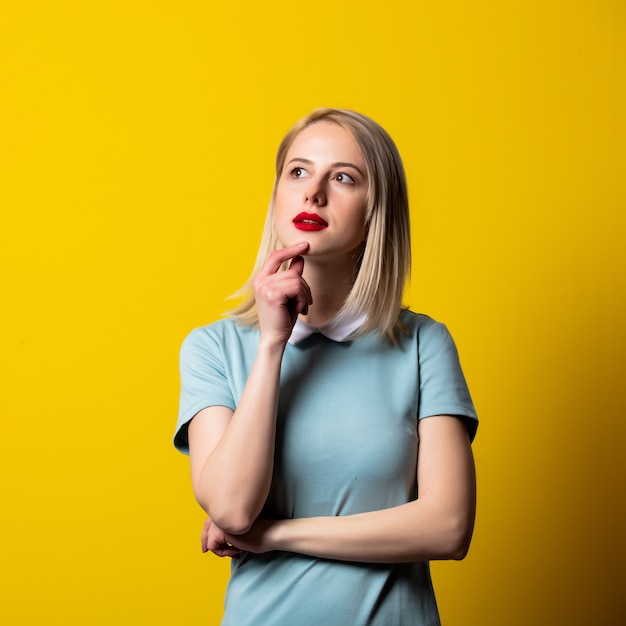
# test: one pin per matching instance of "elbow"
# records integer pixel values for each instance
(231, 519)
(456, 540)
(232, 523)
(459, 551)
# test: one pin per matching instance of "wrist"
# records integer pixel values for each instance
(271, 346)
(294, 535)
(278, 534)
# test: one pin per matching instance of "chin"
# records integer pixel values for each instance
(293, 238)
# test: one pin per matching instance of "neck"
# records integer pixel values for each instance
(330, 285)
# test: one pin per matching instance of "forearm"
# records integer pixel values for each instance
(417, 531)
(234, 481)
(438, 525)
(232, 453)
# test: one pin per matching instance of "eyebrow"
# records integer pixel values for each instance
(333, 165)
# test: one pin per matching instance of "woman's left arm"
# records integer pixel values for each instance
(438, 525)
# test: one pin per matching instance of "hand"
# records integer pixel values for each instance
(215, 540)
(257, 540)
(282, 295)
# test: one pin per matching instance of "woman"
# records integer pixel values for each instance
(328, 429)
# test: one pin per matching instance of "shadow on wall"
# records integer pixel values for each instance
(558, 488)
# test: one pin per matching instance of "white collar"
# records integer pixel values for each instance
(338, 329)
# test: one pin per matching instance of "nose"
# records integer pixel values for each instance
(315, 193)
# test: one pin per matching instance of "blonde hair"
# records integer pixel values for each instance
(386, 258)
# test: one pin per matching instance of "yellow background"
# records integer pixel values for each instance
(137, 153)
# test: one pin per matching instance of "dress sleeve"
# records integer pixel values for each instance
(204, 381)
(443, 389)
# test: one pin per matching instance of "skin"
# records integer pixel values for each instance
(439, 524)
(324, 174)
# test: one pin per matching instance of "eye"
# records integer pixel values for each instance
(344, 178)
(298, 172)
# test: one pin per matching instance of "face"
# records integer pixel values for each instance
(321, 193)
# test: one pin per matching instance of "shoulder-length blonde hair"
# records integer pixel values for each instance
(386, 258)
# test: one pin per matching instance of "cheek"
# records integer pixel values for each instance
(282, 216)
(283, 200)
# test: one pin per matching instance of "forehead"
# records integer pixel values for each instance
(325, 141)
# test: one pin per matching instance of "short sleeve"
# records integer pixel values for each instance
(443, 389)
(203, 381)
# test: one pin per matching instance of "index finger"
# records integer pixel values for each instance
(278, 257)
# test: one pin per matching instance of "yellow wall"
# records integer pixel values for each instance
(137, 141)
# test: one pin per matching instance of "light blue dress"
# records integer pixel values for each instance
(346, 443)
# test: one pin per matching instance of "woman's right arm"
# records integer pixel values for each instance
(232, 453)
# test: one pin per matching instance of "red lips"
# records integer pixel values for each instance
(309, 221)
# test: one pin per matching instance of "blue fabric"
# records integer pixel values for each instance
(346, 443)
